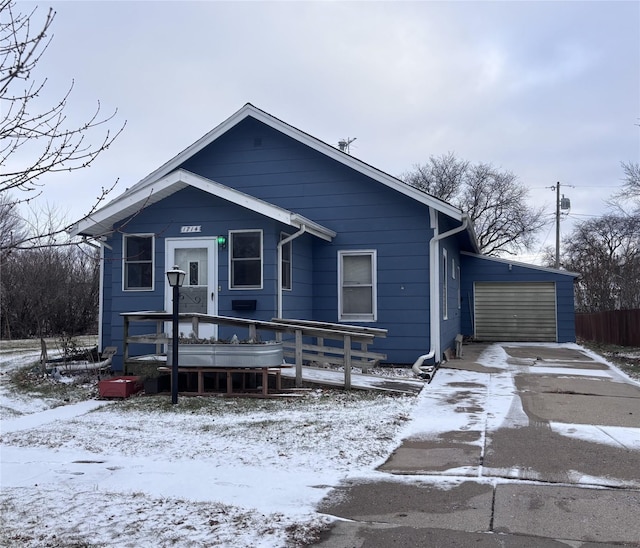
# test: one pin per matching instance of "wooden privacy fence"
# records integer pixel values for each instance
(621, 327)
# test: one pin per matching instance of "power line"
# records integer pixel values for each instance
(600, 186)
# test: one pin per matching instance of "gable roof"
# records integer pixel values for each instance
(121, 207)
(136, 199)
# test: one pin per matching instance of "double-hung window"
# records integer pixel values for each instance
(286, 262)
(357, 286)
(138, 262)
(246, 259)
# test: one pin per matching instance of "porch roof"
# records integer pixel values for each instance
(129, 204)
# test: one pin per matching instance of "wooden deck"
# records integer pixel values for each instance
(305, 342)
(226, 374)
(327, 377)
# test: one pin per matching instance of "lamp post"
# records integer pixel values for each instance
(176, 278)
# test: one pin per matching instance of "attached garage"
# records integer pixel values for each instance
(515, 311)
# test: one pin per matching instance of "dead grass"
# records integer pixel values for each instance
(30, 380)
(627, 358)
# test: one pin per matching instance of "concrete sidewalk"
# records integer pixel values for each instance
(544, 451)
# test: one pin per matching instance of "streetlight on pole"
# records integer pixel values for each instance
(176, 278)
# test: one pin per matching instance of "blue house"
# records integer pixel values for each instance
(268, 221)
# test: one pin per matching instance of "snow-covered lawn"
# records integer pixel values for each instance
(233, 472)
(207, 472)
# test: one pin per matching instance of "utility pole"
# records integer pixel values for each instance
(558, 225)
(563, 203)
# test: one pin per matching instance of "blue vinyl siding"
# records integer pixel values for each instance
(260, 161)
(291, 175)
(484, 269)
(450, 327)
(298, 302)
(216, 217)
(365, 215)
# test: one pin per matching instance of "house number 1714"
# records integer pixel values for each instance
(190, 229)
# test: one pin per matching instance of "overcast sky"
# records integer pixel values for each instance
(547, 90)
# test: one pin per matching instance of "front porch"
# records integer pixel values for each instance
(305, 343)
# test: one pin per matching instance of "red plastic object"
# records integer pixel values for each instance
(119, 387)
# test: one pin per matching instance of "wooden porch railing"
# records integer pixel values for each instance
(308, 343)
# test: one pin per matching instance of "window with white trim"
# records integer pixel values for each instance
(245, 254)
(445, 285)
(138, 262)
(357, 293)
(286, 262)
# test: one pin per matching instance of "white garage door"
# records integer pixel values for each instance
(515, 311)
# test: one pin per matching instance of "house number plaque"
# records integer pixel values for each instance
(190, 229)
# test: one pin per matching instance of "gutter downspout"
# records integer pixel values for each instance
(426, 372)
(288, 239)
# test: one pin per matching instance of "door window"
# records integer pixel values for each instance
(193, 294)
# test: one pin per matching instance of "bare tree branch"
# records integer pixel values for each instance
(627, 200)
(606, 253)
(495, 201)
(36, 141)
(442, 176)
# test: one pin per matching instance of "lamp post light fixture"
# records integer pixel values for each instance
(176, 279)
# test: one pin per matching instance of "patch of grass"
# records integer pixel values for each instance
(218, 405)
(627, 358)
(27, 345)
(31, 381)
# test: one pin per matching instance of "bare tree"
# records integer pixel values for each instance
(497, 204)
(605, 251)
(49, 291)
(627, 200)
(37, 141)
(442, 176)
(12, 226)
(495, 201)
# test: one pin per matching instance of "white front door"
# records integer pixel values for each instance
(196, 256)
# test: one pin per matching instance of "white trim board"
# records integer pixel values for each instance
(101, 222)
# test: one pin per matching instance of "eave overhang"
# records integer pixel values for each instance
(524, 265)
(136, 199)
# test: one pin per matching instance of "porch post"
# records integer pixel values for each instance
(298, 358)
(347, 362)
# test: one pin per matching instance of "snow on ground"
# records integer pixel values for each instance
(617, 436)
(20, 403)
(207, 472)
(226, 472)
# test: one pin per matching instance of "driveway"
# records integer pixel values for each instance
(512, 445)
